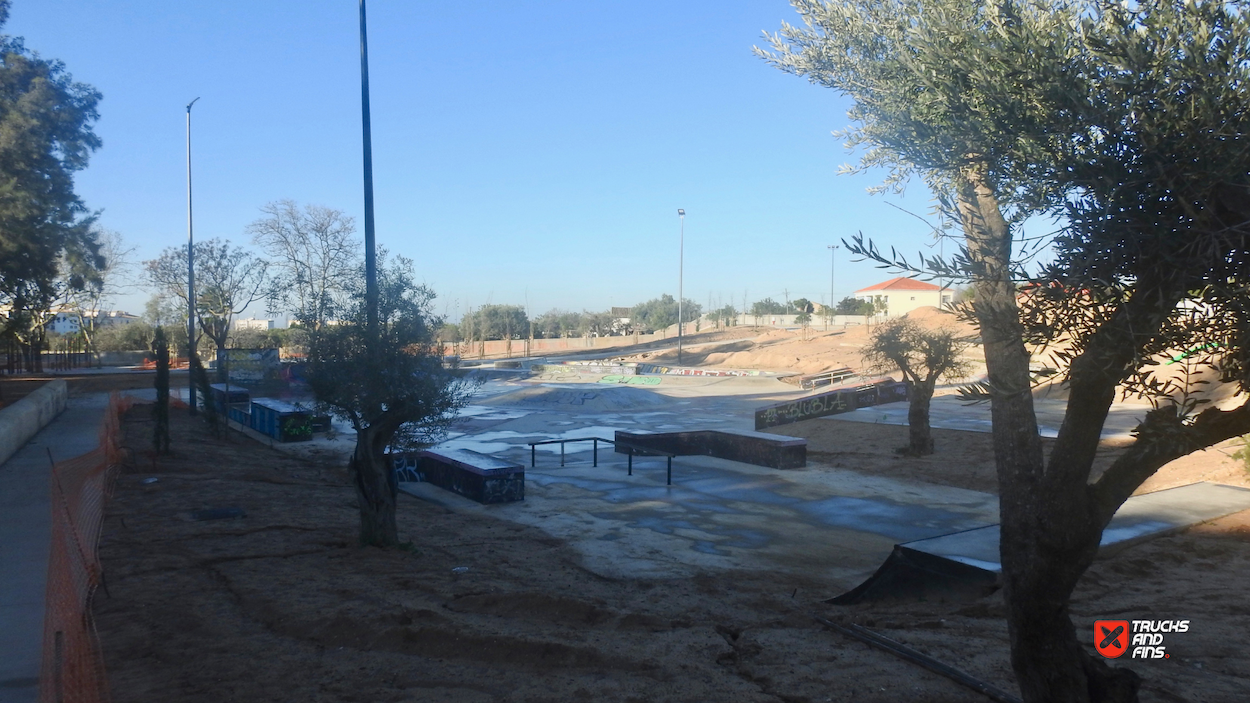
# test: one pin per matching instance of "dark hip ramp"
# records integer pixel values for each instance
(965, 565)
(912, 574)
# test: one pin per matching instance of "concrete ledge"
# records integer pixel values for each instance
(842, 400)
(759, 448)
(23, 419)
(476, 476)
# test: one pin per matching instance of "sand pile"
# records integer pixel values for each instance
(796, 351)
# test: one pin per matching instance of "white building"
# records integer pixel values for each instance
(899, 296)
(252, 323)
(66, 320)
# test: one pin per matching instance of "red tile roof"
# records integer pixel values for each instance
(900, 283)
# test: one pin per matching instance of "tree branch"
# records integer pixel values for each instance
(1161, 438)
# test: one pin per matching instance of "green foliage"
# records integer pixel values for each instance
(803, 318)
(160, 412)
(401, 383)
(727, 316)
(802, 305)
(199, 376)
(496, 322)
(132, 336)
(922, 355)
(661, 313)
(1124, 122)
(563, 323)
(768, 306)
(46, 136)
(854, 306)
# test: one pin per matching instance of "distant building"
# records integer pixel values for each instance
(66, 320)
(899, 296)
(252, 323)
(621, 317)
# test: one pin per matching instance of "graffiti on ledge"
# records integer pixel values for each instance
(831, 403)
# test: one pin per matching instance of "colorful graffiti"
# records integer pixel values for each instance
(584, 367)
(246, 366)
(830, 403)
(669, 370)
(632, 380)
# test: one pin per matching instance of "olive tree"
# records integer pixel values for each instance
(923, 356)
(1127, 123)
(394, 390)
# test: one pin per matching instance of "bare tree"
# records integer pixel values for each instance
(923, 356)
(227, 279)
(314, 253)
(114, 276)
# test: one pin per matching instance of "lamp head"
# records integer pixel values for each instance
(681, 213)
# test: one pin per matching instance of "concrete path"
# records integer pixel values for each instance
(25, 531)
(1140, 518)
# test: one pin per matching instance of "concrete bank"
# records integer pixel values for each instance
(23, 419)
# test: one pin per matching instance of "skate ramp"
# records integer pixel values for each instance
(965, 565)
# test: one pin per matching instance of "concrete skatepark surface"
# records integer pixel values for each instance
(825, 522)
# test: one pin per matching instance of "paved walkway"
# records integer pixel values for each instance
(25, 531)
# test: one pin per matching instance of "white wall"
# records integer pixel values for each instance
(901, 302)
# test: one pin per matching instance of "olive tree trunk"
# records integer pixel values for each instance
(920, 436)
(375, 484)
(1047, 539)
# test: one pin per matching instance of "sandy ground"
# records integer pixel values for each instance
(804, 351)
(281, 605)
(966, 459)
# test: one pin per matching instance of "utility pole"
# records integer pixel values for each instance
(190, 274)
(681, 252)
(371, 262)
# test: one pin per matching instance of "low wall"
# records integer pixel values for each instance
(834, 402)
(23, 419)
(759, 448)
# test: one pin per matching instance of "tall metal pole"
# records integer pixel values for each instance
(833, 262)
(190, 271)
(681, 253)
(371, 263)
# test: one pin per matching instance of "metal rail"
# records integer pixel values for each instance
(633, 449)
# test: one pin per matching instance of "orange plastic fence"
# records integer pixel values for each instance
(180, 362)
(73, 665)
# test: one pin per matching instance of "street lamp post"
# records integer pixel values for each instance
(833, 262)
(371, 267)
(681, 252)
(190, 272)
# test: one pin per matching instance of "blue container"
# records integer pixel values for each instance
(280, 420)
(225, 395)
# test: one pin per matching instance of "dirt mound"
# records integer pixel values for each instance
(593, 398)
(928, 312)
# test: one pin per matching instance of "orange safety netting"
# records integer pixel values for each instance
(73, 664)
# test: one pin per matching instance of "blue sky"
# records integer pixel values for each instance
(522, 150)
